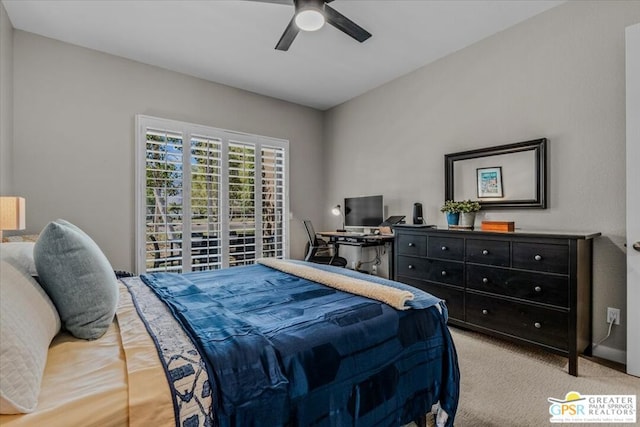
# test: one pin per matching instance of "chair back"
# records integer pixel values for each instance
(311, 233)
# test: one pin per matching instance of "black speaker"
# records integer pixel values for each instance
(417, 213)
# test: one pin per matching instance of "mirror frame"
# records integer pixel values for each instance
(538, 146)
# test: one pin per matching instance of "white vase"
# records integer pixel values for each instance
(467, 219)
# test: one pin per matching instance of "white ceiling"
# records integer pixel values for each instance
(232, 42)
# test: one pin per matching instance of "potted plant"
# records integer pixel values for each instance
(452, 211)
(468, 209)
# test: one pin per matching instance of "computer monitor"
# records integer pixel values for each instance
(365, 211)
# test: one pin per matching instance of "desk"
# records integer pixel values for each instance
(357, 239)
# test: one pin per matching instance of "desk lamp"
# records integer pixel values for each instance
(12, 214)
(337, 210)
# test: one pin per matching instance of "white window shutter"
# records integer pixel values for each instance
(208, 198)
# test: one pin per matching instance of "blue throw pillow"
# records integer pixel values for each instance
(78, 278)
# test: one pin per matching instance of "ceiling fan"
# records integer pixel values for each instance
(310, 15)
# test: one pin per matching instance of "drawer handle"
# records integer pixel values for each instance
(537, 258)
(411, 244)
(410, 267)
(485, 311)
(444, 248)
(537, 289)
(485, 252)
(485, 280)
(443, 273)
(537, 325)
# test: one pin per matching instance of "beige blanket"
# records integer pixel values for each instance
(396, 298)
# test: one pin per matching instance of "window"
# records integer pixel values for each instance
(208, 198)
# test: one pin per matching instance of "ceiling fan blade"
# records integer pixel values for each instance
(345, 25)
(289, 34)
(287, 2)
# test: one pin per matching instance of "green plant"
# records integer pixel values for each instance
(450, 207)
(467, 206)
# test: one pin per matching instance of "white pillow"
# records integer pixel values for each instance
(28, 323)
(20, 254)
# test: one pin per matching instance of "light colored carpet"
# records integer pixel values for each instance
(503, 384)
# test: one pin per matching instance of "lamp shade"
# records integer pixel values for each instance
(12, 213)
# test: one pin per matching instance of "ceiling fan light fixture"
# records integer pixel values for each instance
(309, 19)
(310, 15)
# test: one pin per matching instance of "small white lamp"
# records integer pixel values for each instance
(12, 213)
(337, 210)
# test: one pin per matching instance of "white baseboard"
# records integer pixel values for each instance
(609, 353)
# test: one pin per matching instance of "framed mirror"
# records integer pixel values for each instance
(501, 177)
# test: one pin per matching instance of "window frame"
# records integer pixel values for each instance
(189, 130)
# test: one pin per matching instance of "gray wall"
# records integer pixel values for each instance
(74, 114)
(559, 75)
(6, 102)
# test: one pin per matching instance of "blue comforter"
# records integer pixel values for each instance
(283, 350)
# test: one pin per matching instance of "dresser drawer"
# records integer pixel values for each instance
(413, 267)
(411, 244)
(532, 323)
(430, 269)
(447, 272)
(541, 257)
(536, 287)
(453, 297)
(445, 247)
(492, 252)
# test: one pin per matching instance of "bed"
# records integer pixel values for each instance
(267, 344)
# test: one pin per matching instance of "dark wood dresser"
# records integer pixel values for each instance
(528, 287)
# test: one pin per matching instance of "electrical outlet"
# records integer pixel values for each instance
(374, 270)
(613, 315)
